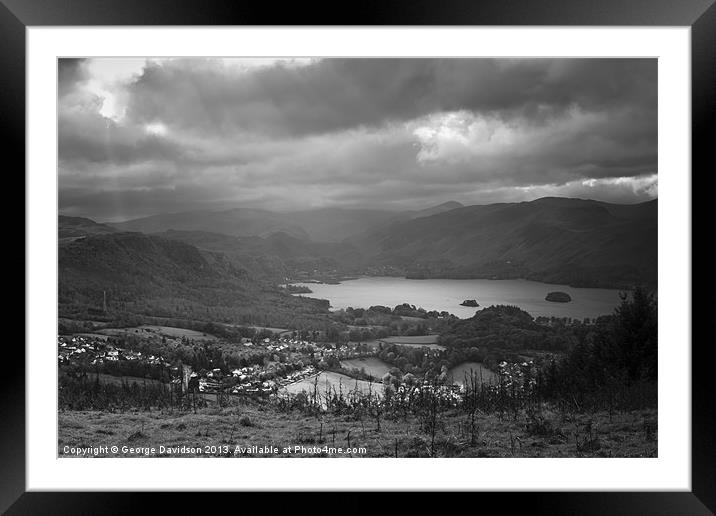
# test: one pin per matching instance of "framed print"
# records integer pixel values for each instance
(428, 244)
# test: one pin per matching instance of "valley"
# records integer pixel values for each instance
(575, 242)
(258, 322)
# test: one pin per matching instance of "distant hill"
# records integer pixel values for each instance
(558, 240)
(321, 225)
(73, 227)
(150, 275)
(318, 225)
(235, 222)
(440, 208)
(337, 224)
(276, 256)
(555, 240)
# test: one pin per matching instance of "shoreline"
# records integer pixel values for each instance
(452, 278)
(447, 295)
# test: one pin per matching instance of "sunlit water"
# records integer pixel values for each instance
(444, 294)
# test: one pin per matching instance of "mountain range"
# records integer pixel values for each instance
(556, 240)
(319, 225)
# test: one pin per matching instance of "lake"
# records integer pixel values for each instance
(446, 294)
(462, 372)
(373, 366)
(330, 381)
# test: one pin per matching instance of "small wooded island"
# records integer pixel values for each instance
(469, 302)
(558, 297)
(298, 289)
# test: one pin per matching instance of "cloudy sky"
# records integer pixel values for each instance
(145, 136)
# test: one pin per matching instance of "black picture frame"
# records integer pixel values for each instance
(700, 15)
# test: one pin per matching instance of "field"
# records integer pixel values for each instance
(93, 336)
(152, 331)
(252, 423)
(118, 380)
(147, 330)
(421, 340)
(484, 375)
(331, 380)
(372, 365)
(279, 331)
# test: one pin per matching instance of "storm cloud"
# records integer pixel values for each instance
(150, 136)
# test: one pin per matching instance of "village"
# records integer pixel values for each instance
(96, 351)
(290, 360)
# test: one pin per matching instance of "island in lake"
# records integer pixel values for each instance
(558, 297)
(298, 289)
(469, 302)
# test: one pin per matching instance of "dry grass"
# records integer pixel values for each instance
(550, 434)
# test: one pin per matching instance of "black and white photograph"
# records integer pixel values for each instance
(389, 257)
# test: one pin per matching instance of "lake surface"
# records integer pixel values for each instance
(445, 294)
(372, 365)
(458, 374)
(330, 381)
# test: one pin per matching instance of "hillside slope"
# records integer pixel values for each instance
(276, 256)
(74, 227)
(440, 208)
(559, 240)
(150, 275)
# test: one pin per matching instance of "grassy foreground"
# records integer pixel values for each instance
(253, 428)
